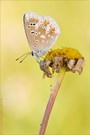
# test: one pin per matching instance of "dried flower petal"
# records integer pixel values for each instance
(79, 66)
(71, 64)
(44, 66)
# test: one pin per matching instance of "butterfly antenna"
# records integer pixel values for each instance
(24, 56)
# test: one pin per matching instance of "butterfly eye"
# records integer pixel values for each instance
(31, 24)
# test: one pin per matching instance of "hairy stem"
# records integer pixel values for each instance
(51, 101)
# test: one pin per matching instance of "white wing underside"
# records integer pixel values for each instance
(42, 32)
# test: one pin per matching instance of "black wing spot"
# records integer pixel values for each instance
(28, 26)
(37, 41)
(32, 32)
(36, 33)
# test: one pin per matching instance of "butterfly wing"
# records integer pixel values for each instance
(42, 32)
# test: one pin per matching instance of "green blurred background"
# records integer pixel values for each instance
(24, 92)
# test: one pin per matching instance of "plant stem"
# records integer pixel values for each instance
(51, 101)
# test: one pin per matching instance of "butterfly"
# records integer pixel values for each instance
(41, 31)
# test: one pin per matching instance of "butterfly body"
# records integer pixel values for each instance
(41, 31)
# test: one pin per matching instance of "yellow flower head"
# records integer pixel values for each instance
(69, 53)
(54, 60)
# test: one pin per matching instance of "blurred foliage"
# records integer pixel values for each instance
(25, 93)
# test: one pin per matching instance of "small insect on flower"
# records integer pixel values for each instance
(41, 32)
